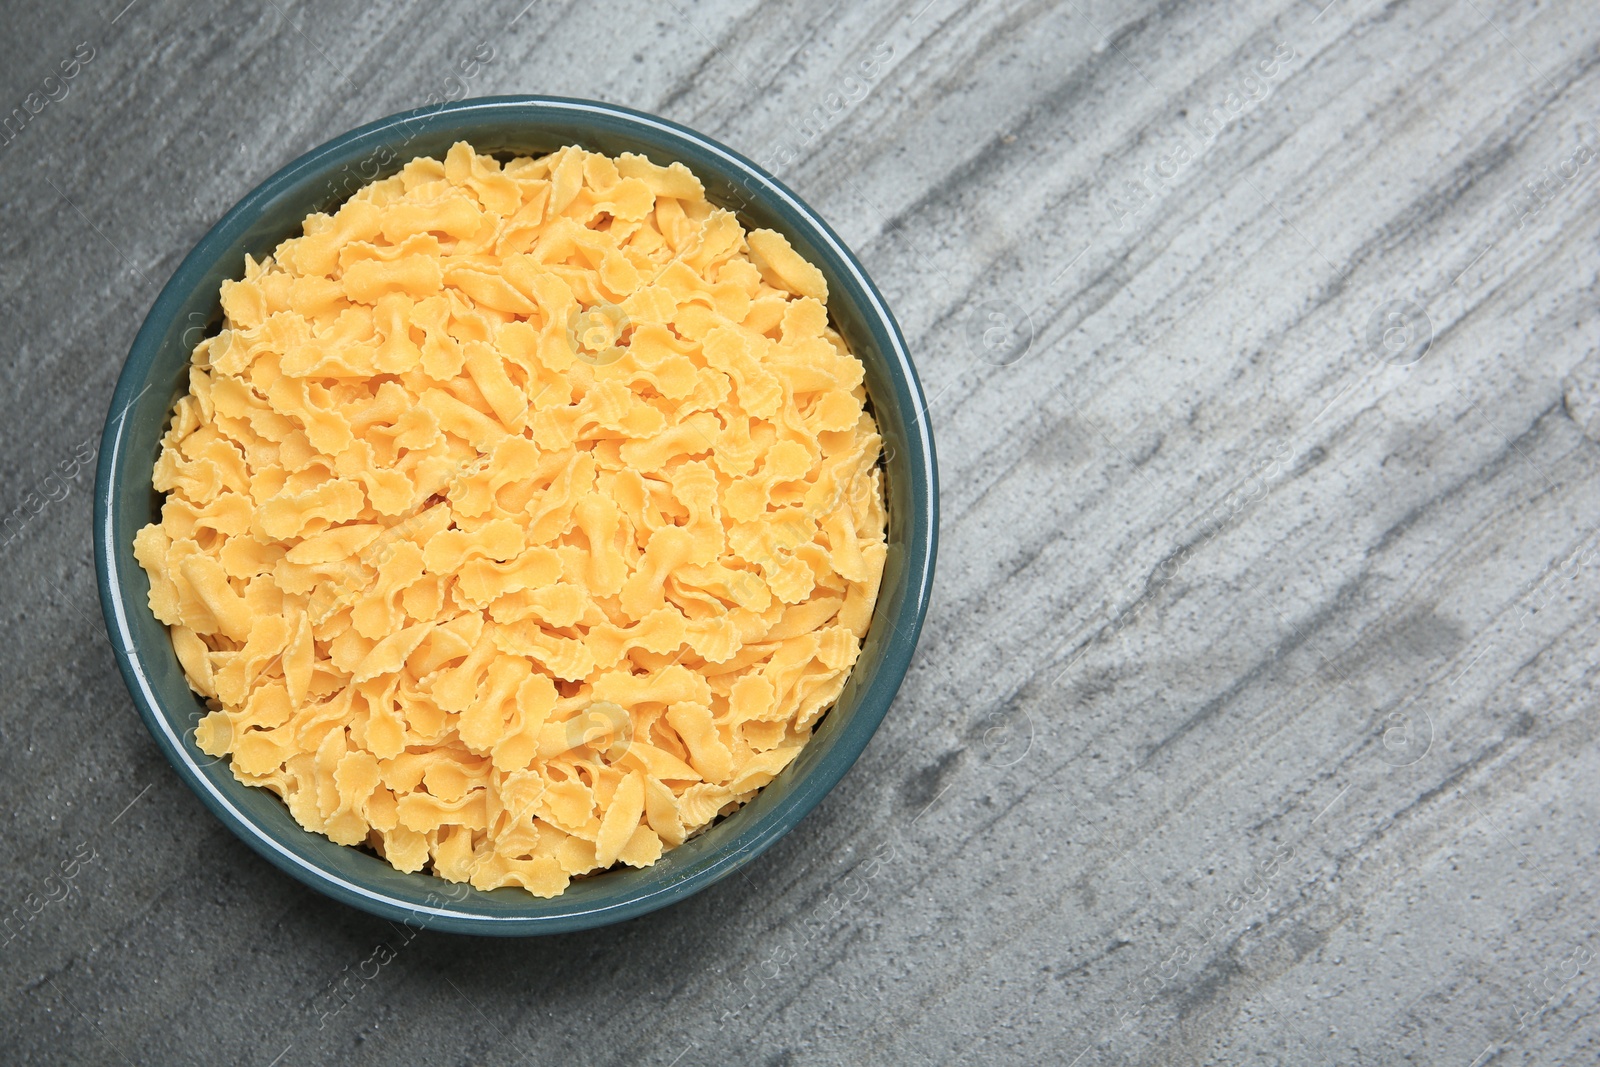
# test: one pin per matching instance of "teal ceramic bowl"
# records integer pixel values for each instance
(154, 376)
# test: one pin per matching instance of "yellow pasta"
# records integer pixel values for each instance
(521, 520)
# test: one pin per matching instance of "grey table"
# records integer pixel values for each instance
(1253, 721)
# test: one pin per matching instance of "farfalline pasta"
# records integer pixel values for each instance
(520, 520)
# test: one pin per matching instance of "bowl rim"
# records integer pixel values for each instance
(920, 546)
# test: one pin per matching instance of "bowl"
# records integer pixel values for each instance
(155, 375)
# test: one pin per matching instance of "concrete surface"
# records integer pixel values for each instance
(1254, 719)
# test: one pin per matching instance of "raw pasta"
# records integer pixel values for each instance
(520, 520)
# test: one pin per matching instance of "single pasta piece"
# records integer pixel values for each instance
(520, 520)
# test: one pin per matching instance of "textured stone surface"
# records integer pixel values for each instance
(1253, 721)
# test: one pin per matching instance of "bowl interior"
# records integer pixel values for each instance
(155, 375)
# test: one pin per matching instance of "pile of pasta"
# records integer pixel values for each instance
(520, 520)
